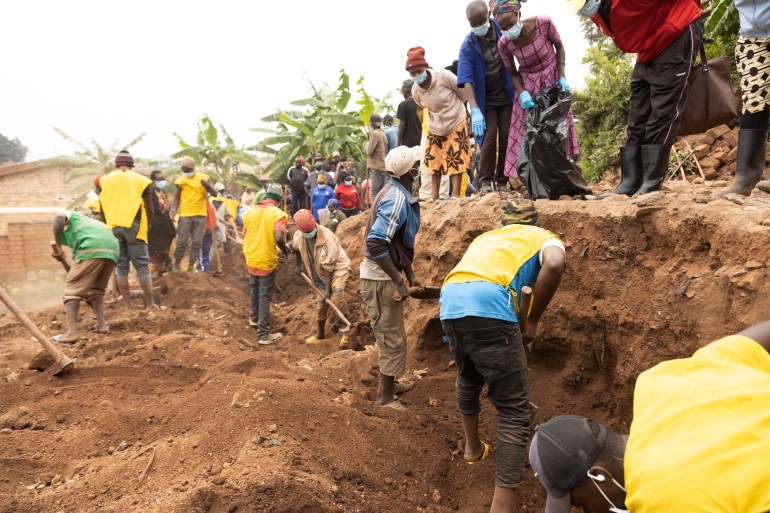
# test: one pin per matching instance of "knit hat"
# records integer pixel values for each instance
(334, 203)
(415, 57)
(562, 451)
(187, 163)
(519, 211)
(274, 191)
(322, 178)
(304, 220)
(400, 160)
(124, 158)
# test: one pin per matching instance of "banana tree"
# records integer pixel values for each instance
(216, 152)
(87, 162)
(324, 124)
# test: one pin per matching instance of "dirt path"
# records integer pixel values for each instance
(188, 388)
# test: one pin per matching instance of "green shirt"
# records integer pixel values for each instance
(89, 238)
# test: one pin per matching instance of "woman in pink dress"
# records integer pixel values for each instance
(537, 47)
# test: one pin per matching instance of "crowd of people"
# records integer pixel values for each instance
(698, 437)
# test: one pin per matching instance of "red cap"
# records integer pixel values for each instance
(304, 220)
(415, 57)
(97, 180)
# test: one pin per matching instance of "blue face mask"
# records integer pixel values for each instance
(514, 32)
(310, 235)
(321, 186)
(590, 8)
(419, 79)
(160, 184)
(189, 174)
(482, 30)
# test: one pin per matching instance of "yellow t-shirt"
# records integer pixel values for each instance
(700, 438)
(121, 199)
(259, 242)
(193, 198)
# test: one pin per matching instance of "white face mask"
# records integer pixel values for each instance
(599, 477)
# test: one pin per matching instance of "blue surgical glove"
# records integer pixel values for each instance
(563, 84)
(479, 124)
(526, 100)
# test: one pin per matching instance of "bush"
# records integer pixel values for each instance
(601, 110)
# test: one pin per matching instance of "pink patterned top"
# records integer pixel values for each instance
(536, 56)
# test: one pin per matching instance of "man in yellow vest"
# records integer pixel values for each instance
(264, 228)
(479, 310)
(95, 252)
(126, 204)
(191, 205)
(698, 440)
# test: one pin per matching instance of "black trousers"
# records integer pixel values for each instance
(495, 143)
(491, 352)
(659, 90)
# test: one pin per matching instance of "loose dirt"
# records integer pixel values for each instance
(230, 426)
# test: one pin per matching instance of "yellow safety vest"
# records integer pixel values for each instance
(121, 199)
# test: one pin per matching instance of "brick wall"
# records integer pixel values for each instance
(25, 245)
(40, 186)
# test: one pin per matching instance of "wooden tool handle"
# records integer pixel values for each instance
(58, 255)
(332, 305)
(27, 322)
(524, 302)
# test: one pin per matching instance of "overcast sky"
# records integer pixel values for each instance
(104, 70)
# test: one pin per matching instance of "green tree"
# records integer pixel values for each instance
(88, 161)
(11, 149)
(601, 108)
(216, 152)
(325, 124)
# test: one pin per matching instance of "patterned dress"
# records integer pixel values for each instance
(539, 69)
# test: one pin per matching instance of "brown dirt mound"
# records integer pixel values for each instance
(648, 279)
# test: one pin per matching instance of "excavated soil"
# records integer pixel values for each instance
(188, 388)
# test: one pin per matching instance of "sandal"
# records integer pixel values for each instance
(399, 387)
(484, 455)
(58, 338)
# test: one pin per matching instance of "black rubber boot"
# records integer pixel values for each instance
(752, 147)
(654, 166)
(630, 171)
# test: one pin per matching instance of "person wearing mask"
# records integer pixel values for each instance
(698, 440)
(388, 248)
(448, 150)
(349, 197)
(376, 149)
(320, 255)
(480, 71)
(125, 197)
(190, 204)
(480, 312)
(537, 47)
(752, 55)
(162, 231)
(264, 229)
(320, 195)
(297, 177)
(665, 36)
(331, 216)
(95, 252)
(391, 131)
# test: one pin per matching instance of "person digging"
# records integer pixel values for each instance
(95, 252)
(321, 256)
(388, 248)
(483, 314)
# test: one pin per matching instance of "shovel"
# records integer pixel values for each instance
(328, 302)
(65, 363)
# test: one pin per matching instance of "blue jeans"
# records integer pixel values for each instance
(203, 258)
(132, 251)
(261, 289)
(491, 352)
(298, 201)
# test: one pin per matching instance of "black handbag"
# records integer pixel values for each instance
(710, 99)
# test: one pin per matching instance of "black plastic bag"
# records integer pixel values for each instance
(543, 164)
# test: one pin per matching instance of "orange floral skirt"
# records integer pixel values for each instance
(449, 154)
